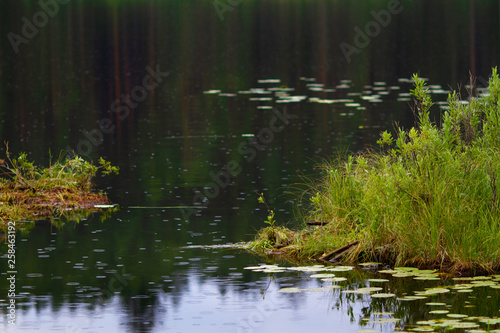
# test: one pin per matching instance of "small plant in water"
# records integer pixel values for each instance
(270, 217)
(28, 191)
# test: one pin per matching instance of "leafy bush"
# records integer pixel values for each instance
(75, 173)
(430, 195)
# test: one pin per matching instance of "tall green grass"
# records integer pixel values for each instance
(430, 195)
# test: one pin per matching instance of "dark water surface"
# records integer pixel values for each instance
(201, 104)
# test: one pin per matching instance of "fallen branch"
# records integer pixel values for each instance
(338, 252)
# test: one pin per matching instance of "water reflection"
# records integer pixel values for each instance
(226, 77)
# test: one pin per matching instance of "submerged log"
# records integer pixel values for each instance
(310, 222)
(338, 253)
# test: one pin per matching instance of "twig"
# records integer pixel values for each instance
(340, 251)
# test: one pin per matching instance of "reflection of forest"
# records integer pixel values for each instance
(90, 54)
(65, 79)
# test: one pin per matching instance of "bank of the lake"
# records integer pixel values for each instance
(29, 192)
(427, 197)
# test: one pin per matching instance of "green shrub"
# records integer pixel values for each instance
(430, 195)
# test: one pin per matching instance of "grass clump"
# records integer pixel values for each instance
(429, 196)
(29, 192)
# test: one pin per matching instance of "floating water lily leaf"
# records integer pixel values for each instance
(335, 279)
(463, 286)
(482, 277)
(104, 206)
(405, 269)
(383, 295)
(366, 290)
(211, 92)
(364, 264)
(422, 329)
(315, 268)
(483, 283)
(456, 315)
(432, 291)
(426, 277)
(384, 321)
(289, 290)
(323, 275)
(411, 298)
(426, 271)
(273, 270)
(490, 321)
(464, 325)
(340, 268)
(262, 99)
(402, 275)
(464, 290)
(439, 311)
(269, 81)
(378, 280)
(427, 322)
(465, 278)
(435, 304)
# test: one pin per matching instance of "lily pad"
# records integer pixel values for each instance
(323, 275)
(378, 280)
(439, 311)
(366, 290)
(383, 295)
(456, 315)
(289, 290)
(340, 268)
(335, 279)
(465, 325)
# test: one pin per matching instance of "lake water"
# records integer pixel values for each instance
(202, 104)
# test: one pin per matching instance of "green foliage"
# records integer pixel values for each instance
(432, 197)
(28, 192)
(107, 167)
(73, 173)
(270, 217)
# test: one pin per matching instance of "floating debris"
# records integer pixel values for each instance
(208, 92)
(269, 81)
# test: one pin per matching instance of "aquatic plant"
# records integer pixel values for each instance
(429, 196)
(29, 191)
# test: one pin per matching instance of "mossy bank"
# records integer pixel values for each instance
(428, 196)
(29, 192)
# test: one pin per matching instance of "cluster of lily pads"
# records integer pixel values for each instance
(447, 321)
(327, 274)
(371, 93)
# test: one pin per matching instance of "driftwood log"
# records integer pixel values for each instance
(338, 253)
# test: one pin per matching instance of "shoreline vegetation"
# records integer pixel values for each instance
(427, 197)
(65, 188)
